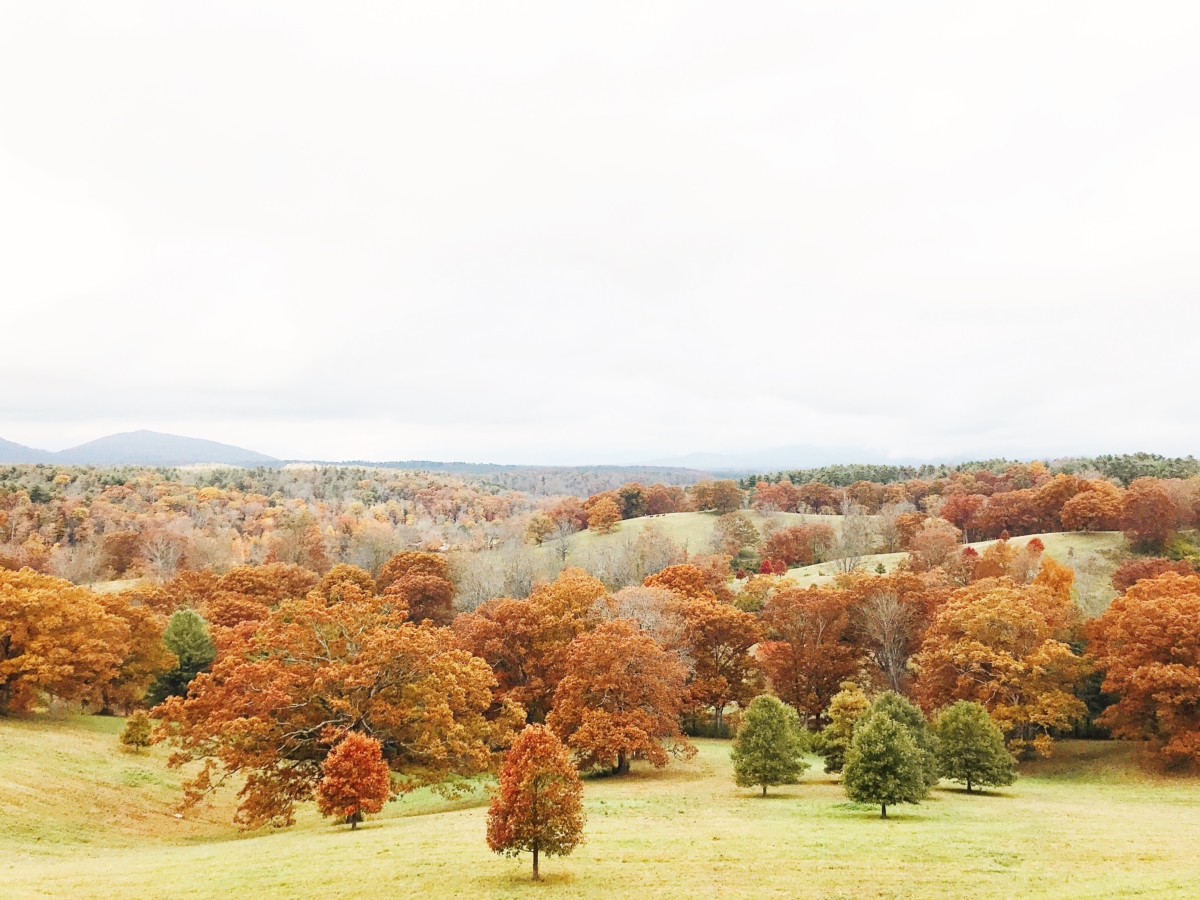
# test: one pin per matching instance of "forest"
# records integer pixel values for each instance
(341, 637)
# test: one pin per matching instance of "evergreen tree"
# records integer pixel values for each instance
(883, 764)
(907, 714)
(186, 636)
(768, 746)
(846, 708)
(971, 747)
(136, 733)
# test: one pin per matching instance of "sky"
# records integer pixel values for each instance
(602, 233)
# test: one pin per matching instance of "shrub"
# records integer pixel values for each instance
(136, 733)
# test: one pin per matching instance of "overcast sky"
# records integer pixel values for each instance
(560, 234)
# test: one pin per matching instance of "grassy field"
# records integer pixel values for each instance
(82, 818)
(693, 530)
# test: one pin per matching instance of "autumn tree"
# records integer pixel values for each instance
(971, 748)
(340, 580)
(267, 708)
(137, 730)
(890, 615)
(801, 545)
(539, 528)
(538, 804)
(355, 779)
(1131, 571)
(934, 542)
(845, 709)
(412, 562)
(811, 647)
(620, 699)
(186, 636)
(961, 510)
(1004, 645)
(1148, 644)
(1147, 515)
(146, 657)
(883, 764)
(1096, 507)
(604, 515)
(719, 496)
(769, 747)
(525, 641)
(57, 638)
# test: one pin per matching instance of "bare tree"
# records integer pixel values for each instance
(888, 625)
(855, 539)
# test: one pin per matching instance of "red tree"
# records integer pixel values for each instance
(538, 805)
(1134, 570)
(813, 650)
(354, 779)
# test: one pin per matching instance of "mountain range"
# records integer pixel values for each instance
(145, 448)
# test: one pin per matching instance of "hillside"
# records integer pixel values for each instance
(82, 818)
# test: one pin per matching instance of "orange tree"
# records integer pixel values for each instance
(355, 779)
(57, 638)
(412, 562)
(1003, 645)
(1148, 644)
(1148, 514)
(620, 699)
(525, 641)
(1097, 507)
(717, 638)
(538, 804)
(279, 696)
(811, 648)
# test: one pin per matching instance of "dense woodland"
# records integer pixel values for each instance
(268, 617)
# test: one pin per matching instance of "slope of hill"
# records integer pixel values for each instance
(82, 818)
(11, 452)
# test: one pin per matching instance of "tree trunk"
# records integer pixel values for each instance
(622, 763)
(968, 784)
(764, 790)
(536, 877)
(883, 810)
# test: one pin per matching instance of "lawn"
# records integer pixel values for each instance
(82, 818)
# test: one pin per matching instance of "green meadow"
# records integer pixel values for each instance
(82, 817)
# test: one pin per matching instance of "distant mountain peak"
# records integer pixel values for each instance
(140, 448)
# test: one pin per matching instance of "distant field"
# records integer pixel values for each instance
(81, 818)
(1107, 546)
(694, 530)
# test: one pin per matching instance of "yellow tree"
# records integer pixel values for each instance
(1003, 645)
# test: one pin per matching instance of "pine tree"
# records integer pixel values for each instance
(768, 746)
(883, 764)
(903, 711)
(538, 805)
(136, 733)
(971, 747)
(846, 708)
(186, 635)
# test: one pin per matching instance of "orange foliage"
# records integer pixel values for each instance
(812, 648)
(1097, 507)
(717, 638)
(604, 515)
(1003, 645)
(538, 804)
(1148, 514)
(620, 698)
(525, 641)
(412, 562)
(274, 702)
(355, 779)
(1148, 643)
(55, 637)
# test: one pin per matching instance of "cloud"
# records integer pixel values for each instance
(538, 233)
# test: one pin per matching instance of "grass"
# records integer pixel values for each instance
(80, 817)
(692, 530)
